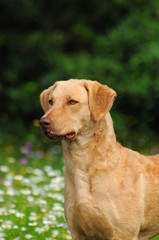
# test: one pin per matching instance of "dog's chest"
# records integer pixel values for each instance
(95, 206)
(84, 212)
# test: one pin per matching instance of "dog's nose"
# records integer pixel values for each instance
(45, 122)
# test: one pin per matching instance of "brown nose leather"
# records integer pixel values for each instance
(45, 122)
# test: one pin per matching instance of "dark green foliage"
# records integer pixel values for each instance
(115, 42)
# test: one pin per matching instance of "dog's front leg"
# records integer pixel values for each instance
(70, 209)
(69, 206)
(135, 238)
(92, 220)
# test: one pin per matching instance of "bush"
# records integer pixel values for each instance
(114, 42)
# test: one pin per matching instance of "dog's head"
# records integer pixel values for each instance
(72, 105)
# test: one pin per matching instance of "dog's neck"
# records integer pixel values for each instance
(92, 146)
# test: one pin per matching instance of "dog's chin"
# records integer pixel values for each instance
(51, 135)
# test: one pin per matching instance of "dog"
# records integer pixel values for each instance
(111, 192)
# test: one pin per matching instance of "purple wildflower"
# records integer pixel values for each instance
(23, 161)
(62, 224)
(39, 154)
(29, 145)
(27, 149)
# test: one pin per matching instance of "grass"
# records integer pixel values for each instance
(31, 193)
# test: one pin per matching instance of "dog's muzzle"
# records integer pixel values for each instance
(45, 125)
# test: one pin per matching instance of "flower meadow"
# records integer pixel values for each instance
(31, 197)
(31, 194)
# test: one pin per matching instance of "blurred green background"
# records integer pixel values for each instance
(115, 42)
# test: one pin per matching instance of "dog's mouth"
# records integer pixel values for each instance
(70, 136)
(51, 134)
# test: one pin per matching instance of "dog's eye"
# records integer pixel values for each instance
(50, 102)
(72, 102)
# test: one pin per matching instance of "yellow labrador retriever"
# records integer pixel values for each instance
(111, 192)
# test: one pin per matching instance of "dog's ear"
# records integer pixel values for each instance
(100, 98)
(44, 97)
